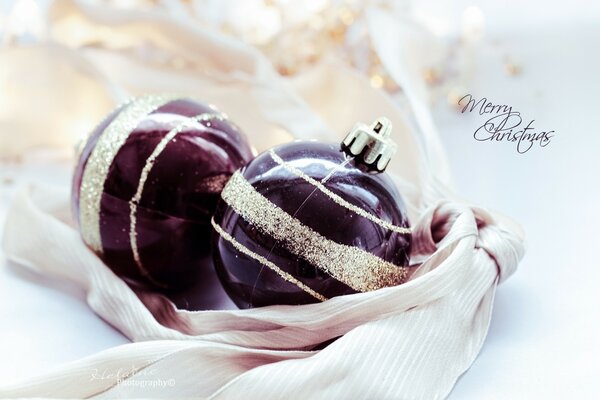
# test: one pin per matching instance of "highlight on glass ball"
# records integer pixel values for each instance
(147, 184)
(308, 221)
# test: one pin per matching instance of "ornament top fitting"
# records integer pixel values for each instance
(371, 145)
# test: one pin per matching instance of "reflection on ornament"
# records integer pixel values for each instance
(306, 221)
(147, 183)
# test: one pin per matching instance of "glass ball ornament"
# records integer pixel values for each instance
(147, 183)
(308, 221)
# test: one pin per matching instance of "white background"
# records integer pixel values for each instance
(544, 341)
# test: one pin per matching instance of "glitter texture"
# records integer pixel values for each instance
(133, 203)
(360, 270)
(101, 158)
(213, 184)
(337, 199)
(243, 249)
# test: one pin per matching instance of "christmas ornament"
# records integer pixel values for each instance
(147, 184)
(307, 221)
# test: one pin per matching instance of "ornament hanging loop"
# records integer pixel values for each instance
(372, 145)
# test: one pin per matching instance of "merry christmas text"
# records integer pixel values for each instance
(504, 124)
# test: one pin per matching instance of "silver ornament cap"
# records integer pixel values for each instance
(372, 145)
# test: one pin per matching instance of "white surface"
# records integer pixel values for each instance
(543, 342)
(43, 322)
(544, 338)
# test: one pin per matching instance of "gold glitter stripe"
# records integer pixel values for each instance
(360, 270)
(84, 141)
(337, 199)
(133, 203)
(213, 184)
(100, 160)
(243, 249)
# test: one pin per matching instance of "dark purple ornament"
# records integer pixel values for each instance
(307, 221)
(147, 184)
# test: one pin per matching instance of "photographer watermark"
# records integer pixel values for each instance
(504, 124)
(133, 377)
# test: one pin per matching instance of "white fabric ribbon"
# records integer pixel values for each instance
(409, 341)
